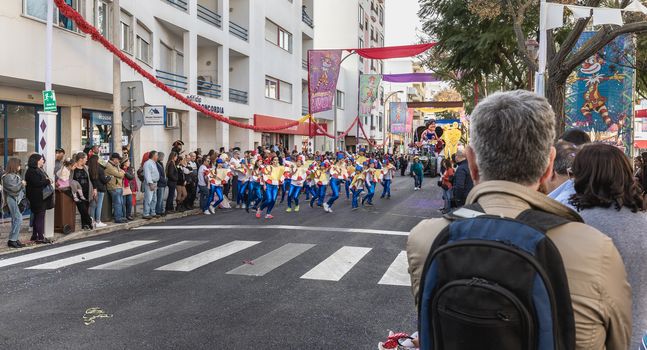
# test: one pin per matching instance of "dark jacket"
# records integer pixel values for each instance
(101, 181)
(162, 182)
(171, 173)
(181, 177)
(462, 184)
(37, 180)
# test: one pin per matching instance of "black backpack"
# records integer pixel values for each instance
(495, 283)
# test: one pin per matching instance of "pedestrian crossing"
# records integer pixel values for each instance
(332, 268)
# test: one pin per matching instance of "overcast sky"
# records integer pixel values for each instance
(401, 22)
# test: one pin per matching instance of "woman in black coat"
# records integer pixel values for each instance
(37, 180)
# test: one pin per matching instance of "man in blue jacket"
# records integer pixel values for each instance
(463, 183)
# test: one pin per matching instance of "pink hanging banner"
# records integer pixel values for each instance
(409, 123)
(323, 72)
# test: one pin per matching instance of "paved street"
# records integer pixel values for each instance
(311, 280)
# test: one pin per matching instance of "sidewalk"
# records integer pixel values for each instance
(25, 235)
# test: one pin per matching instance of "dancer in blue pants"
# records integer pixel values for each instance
(389, 173)
(357, 186)
(255, 187)
(299, 173)
(370, 185)
(272, 177)
(243, 173)
(335, 182)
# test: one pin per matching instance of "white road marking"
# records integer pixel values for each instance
(275, 227)
(397, 274)
(337, 265)
(268, 262)
(147, 256)
(193, 262)
(90, 256)
(48, 252)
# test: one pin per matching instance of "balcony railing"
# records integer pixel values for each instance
(306, 19)
(238, 31)
(174, 81)
(209, 16)
(180, 4)
(304, 110)
(238, 96)
(208, 89)
(304, 64)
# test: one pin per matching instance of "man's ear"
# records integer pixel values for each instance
(471, 162)
(549, 173)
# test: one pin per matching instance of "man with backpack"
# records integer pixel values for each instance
(514, 269)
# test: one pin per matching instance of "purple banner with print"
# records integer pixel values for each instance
(368, 91)
(323, 66)
(410, 78)
(398, 113)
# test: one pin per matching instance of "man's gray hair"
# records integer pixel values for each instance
(511, 134)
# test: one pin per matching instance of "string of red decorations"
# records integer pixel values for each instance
(325, 133)
(372, 143)
(67, 11)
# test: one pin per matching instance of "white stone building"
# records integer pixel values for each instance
(351, 24)
(243, 58)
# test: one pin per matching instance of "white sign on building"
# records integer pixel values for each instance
(155, 115)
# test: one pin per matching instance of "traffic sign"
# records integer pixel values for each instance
(49, 101)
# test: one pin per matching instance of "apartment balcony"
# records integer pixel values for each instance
(209, 89)
(238, 96)
(174, 81)
(307, 19)
(209, 16)
(238, 31)
(179, 4)
(304, 64)
(304, 110)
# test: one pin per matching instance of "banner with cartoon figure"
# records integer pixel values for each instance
(323, 72)
(599, 94)
(398, 113)
(368, 90)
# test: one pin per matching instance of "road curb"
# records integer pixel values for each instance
(60, 238)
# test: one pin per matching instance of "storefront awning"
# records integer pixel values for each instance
(300, 129)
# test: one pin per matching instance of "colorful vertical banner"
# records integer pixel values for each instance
(368, 91)
(599, 94)
(323, 72)
(409, 123)
(398, 113)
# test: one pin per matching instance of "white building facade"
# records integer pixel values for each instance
(241, 58)
(342, 24)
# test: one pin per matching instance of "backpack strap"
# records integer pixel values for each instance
(541, 219)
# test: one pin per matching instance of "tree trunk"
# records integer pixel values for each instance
(556, 95)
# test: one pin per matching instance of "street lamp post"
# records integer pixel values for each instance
(386, 117)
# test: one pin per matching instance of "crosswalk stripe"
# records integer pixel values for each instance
(275, 227)
(268, 262)
(48, 252)
(147, 256)
(90, 256)
(337, 265)
(397, 274)
(193, 262)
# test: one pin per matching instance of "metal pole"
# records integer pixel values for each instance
(47, 134)
(48, 44)
(116, 79)
(543, 51)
